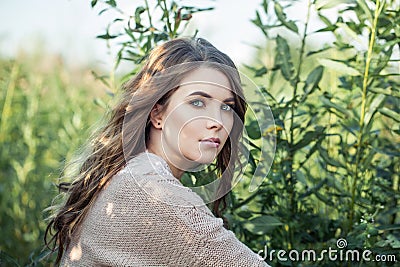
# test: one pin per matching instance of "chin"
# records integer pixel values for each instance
(204, 158)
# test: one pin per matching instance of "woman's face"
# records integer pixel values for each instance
(198, 119)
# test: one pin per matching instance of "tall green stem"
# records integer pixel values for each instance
(296, 80)
(149, 17)
(6, 112)
(295, 84)
(170, 32)
(378, 10)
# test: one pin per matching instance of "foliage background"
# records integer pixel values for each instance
(336, 108)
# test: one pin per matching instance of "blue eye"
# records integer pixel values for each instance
(197, 103)
(226, 107)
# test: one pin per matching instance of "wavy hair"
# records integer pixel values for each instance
(112, 147)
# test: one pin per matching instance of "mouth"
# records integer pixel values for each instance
(213, 142)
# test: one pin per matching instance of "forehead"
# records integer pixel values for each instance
(208, 80)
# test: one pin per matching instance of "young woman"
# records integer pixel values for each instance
(127, 207)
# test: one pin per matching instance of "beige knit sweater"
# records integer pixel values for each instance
(146, 217)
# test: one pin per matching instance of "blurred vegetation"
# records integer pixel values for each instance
(336, 108)
(45, 112)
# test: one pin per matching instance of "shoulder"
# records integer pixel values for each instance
(141, 194)
(150, 175)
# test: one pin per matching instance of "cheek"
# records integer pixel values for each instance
(191, 129)
(180, 123)
(228, 125)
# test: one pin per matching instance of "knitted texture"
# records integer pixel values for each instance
(146, 217)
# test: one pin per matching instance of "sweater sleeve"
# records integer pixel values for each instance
(217, 246)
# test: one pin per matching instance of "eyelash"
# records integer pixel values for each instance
(196, 101)
(231, 107)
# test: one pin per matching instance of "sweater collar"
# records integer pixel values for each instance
(158, 163)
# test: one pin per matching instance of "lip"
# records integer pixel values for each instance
(214, 142)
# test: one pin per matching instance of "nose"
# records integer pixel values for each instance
(214, 120)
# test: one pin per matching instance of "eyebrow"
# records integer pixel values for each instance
(230, 99)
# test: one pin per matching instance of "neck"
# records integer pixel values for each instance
(176, 161)
(177, 173)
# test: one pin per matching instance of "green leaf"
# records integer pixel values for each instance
(394, 241)
(282, 18)
(389, 227)
(366, 9)
(252, 162)
(106, 36)
(328, 159)
(97, 101)
(338, 66)
(245, 214)
(262, 225)
(335, 106)
(253, 130)
(325, 19)
(160, 37)
(103, 10)
(318, 51)
(323, 198)
(334, 182)
(314, 189)
(265, 6)
(325, 4)
(300, 177)
(261, 71)
(313, 79)
(384, 91)
(284, 59)
(258, 22)
(373, 108)
(258, 72)
(139, 10)
(93, 3)
(102, 78)
(111, 3)
(352, 34)
(390, 113)
(306, 139)
(330, 28)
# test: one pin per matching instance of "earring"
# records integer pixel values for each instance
(158, 123)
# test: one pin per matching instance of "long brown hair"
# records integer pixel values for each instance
(112, 147)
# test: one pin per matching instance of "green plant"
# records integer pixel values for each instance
(337, 112)
(136, 32)
(44, 112)
(336, 108)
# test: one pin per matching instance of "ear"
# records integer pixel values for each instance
(156, 117)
